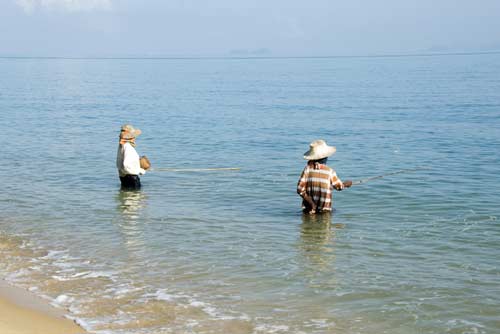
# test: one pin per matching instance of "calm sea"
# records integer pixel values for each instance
(229, 251)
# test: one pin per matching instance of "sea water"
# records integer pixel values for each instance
(230, 251)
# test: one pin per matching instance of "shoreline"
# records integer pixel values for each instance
(22, 312)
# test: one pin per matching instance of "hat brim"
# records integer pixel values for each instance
(313, 154)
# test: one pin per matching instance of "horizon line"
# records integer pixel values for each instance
(423, 54)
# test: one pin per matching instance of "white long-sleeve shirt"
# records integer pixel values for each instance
(127, 161)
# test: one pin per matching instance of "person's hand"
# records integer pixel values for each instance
(310, 211)
(347, 183)
(312, 208)
(309, 204)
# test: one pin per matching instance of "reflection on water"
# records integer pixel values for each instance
(130, 202)
(130, 205)
(317, 229)
(317, 240)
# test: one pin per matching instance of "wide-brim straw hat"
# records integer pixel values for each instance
(129, 132)
(318, 149)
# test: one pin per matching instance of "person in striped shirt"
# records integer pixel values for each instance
(317, 180)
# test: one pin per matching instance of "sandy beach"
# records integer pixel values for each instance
(23, 313)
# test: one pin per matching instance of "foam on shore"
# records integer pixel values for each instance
(21, 312)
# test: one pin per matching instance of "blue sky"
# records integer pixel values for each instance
(80, 28)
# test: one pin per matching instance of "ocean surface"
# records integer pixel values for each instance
(230, 251)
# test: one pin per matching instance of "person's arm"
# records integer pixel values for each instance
(301, 190)
(310, 207)
(131, 163)
(338, 184)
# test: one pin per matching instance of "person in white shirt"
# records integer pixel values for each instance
(127, 159)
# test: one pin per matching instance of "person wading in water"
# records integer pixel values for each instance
(127, 159)
(318, 180)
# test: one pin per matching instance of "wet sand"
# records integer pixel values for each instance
(23, 313)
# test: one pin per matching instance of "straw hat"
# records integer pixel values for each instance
(318, 149)
(144, 161)
(129, 132)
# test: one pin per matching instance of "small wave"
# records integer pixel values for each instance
(97, 274)
(271, 329)
(54, 254)
(162, 294)
(62, 300)
(319, 323)
(465, 326)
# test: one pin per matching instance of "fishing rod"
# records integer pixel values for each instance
(146, 164)
(194, 169)
(173, 169)
(388, 174)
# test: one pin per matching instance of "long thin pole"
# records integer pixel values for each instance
(388, 174)
(193, 169)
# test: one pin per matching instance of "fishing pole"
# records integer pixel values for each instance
(388, 174)
(194, 169)
(146, 164)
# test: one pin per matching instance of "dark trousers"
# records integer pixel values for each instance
(130, 182)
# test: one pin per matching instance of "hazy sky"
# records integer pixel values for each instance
(261, 27)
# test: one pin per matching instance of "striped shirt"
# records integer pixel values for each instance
(318, 180)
